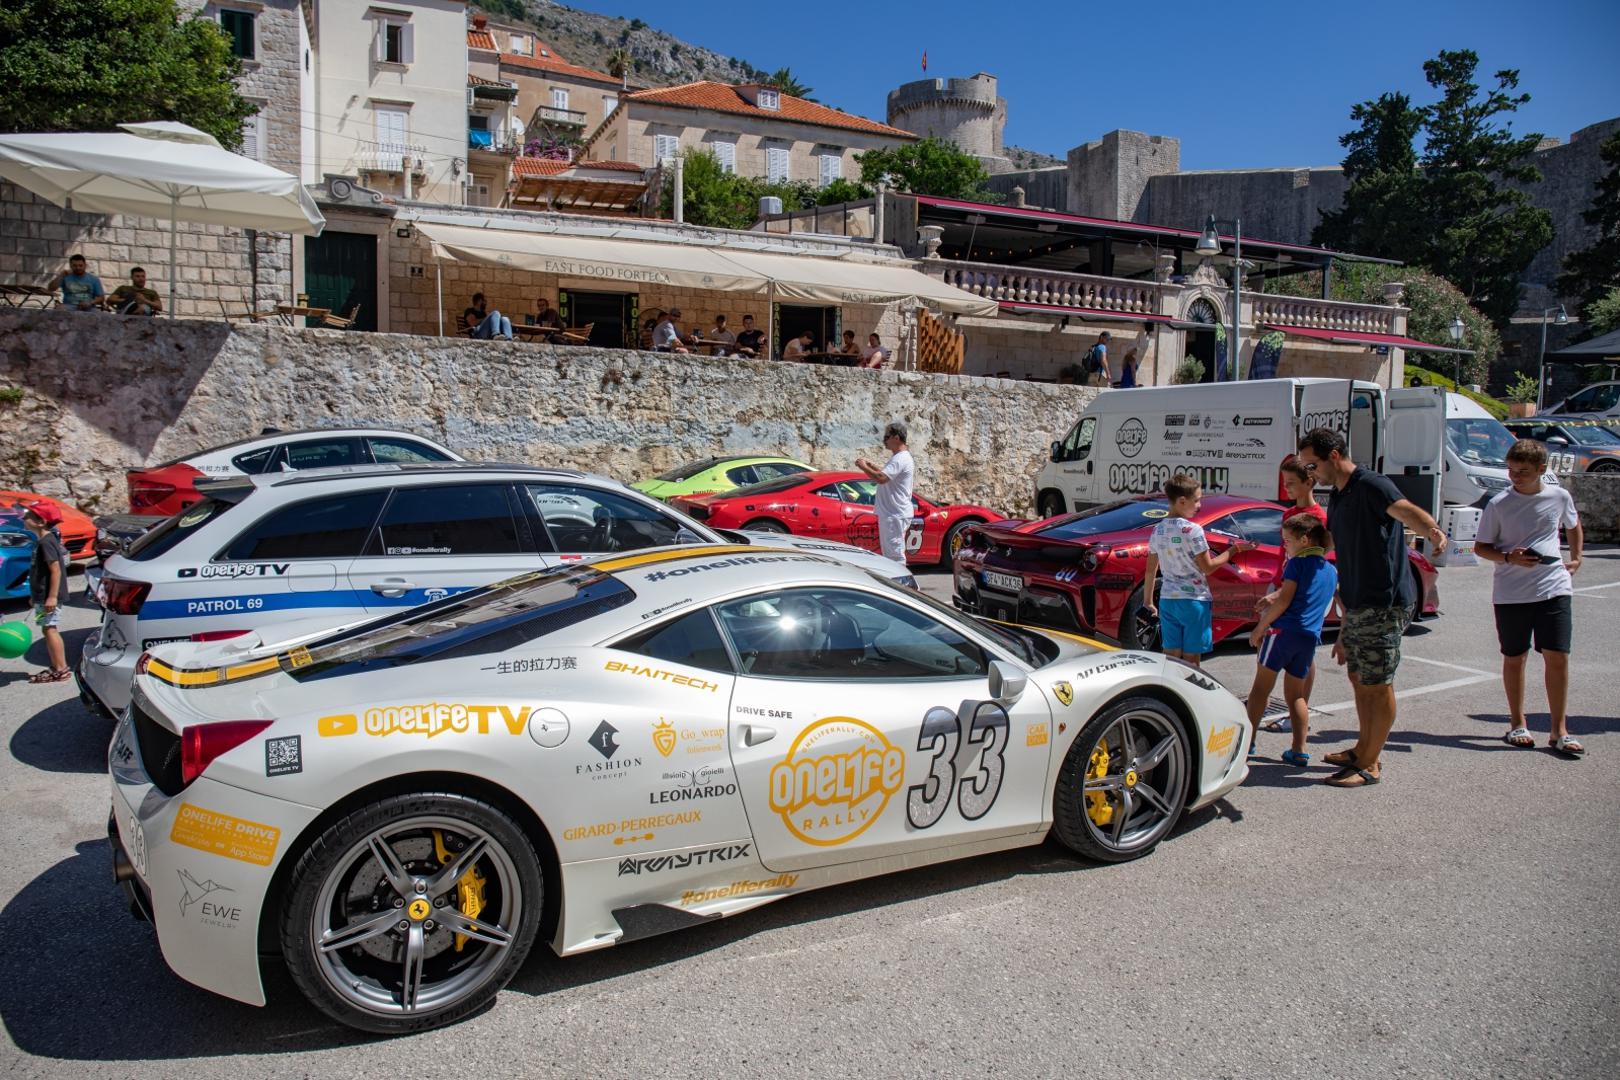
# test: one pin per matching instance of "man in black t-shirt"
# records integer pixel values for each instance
(1367, 518)
(750, 342)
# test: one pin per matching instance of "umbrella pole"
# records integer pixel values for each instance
(174, 226)
(438, 287)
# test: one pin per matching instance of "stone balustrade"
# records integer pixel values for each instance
(1011, 284)
(1322, 314)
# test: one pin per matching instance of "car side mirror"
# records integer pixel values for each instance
(1557, 440)
(1057, 452)
(683, 535)
(1006, 681)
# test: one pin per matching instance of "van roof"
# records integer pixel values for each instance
(1463, 407)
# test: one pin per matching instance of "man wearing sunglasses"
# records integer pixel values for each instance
(1367, 518)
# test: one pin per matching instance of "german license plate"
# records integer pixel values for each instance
(1004, 582)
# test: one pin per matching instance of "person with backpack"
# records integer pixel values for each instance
(1096, 363)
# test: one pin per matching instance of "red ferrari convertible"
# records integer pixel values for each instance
(837, 506)
(1083, 572)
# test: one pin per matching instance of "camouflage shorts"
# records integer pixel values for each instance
(1372, 642)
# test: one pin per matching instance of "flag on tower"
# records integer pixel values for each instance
(925, 59)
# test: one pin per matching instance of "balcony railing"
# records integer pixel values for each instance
(545, 114)
(1053, 287)
(390, 157)
(1322, 314)
(503, 143)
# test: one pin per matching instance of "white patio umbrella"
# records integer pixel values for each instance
(159, 170)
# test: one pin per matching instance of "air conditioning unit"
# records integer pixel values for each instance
(469, 97)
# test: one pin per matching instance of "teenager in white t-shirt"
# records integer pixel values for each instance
(1532, 591)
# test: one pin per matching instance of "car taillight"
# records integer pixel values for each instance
(218, 635)
(140, 664)
(123, 597)
(147, 494)
(200, 744)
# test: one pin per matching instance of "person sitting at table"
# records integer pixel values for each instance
(547, 315)
(797, 347)
(135, 298)
(750, 342)
(724, 337)
(81, 290)
(874, 355)
(485, 325)
(667, 336)
(849, 348)
(648, 325)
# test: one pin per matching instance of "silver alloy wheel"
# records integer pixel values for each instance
(386, 920)
(1143, 783)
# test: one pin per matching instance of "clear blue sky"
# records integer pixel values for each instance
(1072, 71)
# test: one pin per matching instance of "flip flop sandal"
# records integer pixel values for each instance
(1280, 724)
(1521, 738)
(1344, 759)
(50, 676)
(1341, 778)
(1295, 757)
(1566, 745)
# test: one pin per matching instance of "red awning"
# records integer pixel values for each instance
(1018, 307)
(1356, 337)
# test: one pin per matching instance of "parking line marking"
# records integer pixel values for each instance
(1595, 588)
(1441, 663)
(1341, 706)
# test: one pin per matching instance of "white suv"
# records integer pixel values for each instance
(325, 547)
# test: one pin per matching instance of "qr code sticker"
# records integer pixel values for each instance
(283, 756)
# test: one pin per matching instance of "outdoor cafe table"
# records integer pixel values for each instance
(572, 336)
(289, 312)
(25, 295)
(834, 359)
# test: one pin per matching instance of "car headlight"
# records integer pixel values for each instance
(15, 540)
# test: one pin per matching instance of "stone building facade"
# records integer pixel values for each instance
(966, 112)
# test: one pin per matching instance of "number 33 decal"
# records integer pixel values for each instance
(985, 724)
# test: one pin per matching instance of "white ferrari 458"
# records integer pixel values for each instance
(613, 749)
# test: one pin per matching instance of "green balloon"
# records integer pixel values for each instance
(15, 637)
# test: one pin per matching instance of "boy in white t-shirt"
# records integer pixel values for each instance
(1178, 550)
(1532, 591)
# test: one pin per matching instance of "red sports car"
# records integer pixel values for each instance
(78, 531)
(837, 506)
(1083, 572)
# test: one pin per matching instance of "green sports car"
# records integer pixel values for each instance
(718, 474)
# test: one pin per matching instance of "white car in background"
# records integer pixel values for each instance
(324, 547)
(599, 753)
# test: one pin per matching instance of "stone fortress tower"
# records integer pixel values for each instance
(966, 112)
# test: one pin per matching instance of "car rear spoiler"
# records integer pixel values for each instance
(229, 489)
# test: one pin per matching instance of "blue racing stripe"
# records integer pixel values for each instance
(252, 604)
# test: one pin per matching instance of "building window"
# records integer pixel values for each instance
(665, 147)
(392, 130)
(609, 103)
(238, 26)
(253, 137)
(770, 99)
(725, 152)
(523, 44)
(832, 168)
(776, 164)
(395, 42)
(559, 98)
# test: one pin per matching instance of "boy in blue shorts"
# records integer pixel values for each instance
(1178, 549)
(1290, 629)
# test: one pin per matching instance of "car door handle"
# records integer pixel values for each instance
(754, 734)
(392, 587)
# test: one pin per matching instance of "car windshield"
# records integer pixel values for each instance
(768, 487)
(1479, 441)
(1593, 435)
(1035, 649)
(1116, 517)
(488, 620)
(167, 533)
(686, 472)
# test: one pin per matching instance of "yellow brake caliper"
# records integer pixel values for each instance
(1097, 807)
(469, 887)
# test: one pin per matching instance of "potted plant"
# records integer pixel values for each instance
(1190, 371)
(1521, 395)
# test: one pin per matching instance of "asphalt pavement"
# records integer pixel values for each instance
(1458, 920)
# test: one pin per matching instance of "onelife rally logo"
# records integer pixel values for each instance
(831, 797)
(1131, 437)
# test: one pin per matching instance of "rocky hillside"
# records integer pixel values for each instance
(656, 58)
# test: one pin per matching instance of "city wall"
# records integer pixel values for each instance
(104, 393)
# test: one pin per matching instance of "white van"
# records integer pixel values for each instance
(1476, 453)
(1233, 436)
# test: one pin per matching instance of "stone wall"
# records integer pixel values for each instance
(1597, 497)
(1276, 204)
(103, 394)
(1108, 178)
(965, 112)
(1047, 189)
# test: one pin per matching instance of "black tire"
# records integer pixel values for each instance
(1051, 504)
(1137, 628)
(1157, 761)
(339, 877)
(953, 541)
(770, 525)
(1417, 605)
(1605, 467)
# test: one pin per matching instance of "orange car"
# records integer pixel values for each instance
(78, 531)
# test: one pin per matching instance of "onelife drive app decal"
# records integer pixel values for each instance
(830, 798)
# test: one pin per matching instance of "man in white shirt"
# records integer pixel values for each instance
(667, 336)
(894, 480)
(874, 355)
(721, 334)
(1532, 591)
(797, 347)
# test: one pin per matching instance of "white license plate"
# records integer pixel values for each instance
(1004, 582)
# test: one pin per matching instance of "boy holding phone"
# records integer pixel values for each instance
(1532, 591)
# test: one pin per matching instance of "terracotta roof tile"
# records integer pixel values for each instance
(724, 97)
(533, 166)
(554, 64)
(480, 39)
(479, 80)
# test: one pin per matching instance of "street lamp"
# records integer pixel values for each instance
(1541, 358)
(1456, 330)
(1209, 245)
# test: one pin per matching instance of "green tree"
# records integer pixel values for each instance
(840, 191)
(783, 80)
(1381, 166)
(1593, 274)
(926, 167)
(90, 65)
(717, 199)
(1603, 314)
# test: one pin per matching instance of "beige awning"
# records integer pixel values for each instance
(685, 266)
(843, 281)
(796, 277)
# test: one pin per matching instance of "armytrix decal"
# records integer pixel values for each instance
(652, 864)
(738, 888)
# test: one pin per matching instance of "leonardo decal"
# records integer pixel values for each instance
(836, 780)
(652, 864)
